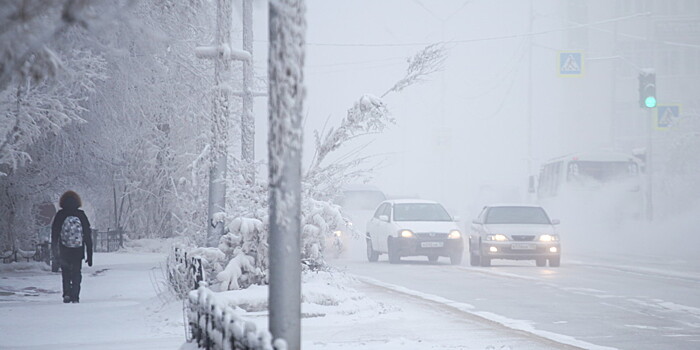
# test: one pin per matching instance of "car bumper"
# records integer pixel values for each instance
(520, 250)
(427, 247)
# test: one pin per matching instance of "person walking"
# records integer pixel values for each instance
(71, 237)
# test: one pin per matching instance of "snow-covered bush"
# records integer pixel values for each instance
(186, 264)
(246, 246)
(319, 220)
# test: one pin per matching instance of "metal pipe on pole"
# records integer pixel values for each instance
(221, 53)
(287, 30)
(530, 153)
(247, 118)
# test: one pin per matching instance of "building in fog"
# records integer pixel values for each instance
(618, 39)
(598, 107)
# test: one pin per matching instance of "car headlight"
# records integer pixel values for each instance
(498, 237)
(338, 233)
(454, 234)
(549, 238)
(406, 233)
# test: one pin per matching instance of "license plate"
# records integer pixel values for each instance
(522, 246)
(431, 244)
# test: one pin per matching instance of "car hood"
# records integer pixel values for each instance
(427, 226)
(520, 229)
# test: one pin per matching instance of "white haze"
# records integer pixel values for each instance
(461, 137)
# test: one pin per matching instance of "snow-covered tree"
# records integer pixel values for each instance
(117, 98)
(40, 115)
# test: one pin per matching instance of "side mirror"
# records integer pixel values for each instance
(455, 218)
(384, 218)
(555, 222)
(477, 222)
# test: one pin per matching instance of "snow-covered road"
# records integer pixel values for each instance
(618, 303)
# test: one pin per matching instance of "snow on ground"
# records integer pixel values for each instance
(118, 309)
(124, 306)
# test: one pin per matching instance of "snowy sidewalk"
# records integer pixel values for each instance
(118, 307)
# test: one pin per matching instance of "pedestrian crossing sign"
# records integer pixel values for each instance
(666, 116)
(570, 63)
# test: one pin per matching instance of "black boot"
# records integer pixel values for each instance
(66, 299)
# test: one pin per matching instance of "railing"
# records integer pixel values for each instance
(41, 252)
(102, 241)
(107, 241)
(186, 272)
(217, 328)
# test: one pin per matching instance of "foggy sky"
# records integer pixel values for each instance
(464, 131)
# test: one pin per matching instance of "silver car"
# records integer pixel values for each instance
(516, 232)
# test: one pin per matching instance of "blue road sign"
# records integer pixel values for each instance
(570, 63)
(666, 115)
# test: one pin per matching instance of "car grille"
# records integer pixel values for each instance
(431, 235)
(523, 238)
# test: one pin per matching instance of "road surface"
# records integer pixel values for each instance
(623, 302)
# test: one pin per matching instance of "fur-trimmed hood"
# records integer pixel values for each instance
(70, 200)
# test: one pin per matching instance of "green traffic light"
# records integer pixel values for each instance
(650, 101)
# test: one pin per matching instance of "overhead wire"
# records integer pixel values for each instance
(497, 37)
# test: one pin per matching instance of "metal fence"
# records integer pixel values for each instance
(107, 241)
(217, 328)
(207, 322)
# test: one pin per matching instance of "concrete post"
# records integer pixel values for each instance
(286, 96)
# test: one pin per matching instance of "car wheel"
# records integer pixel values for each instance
(473, 259)
(555, 262)
(433, 258)
(541, 262)
(456, 258)
(484, 260)
(394, 257)
(372, 255)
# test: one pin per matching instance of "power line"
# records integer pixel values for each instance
(402, 58)
(498, 37)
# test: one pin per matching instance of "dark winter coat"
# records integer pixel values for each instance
(69, 203)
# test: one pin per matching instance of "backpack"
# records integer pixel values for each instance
(72, 232)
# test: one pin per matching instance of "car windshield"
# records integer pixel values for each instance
(517, 215)
(420, 212)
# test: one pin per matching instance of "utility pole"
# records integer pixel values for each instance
(247, 118)
(286, 96)
(648, 165)
(530, 170)
(222, 53)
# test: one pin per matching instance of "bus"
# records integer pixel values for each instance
(606, 186)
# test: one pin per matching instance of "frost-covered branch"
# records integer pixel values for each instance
(425, 62)
(368, 115)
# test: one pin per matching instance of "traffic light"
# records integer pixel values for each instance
(647, 89)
